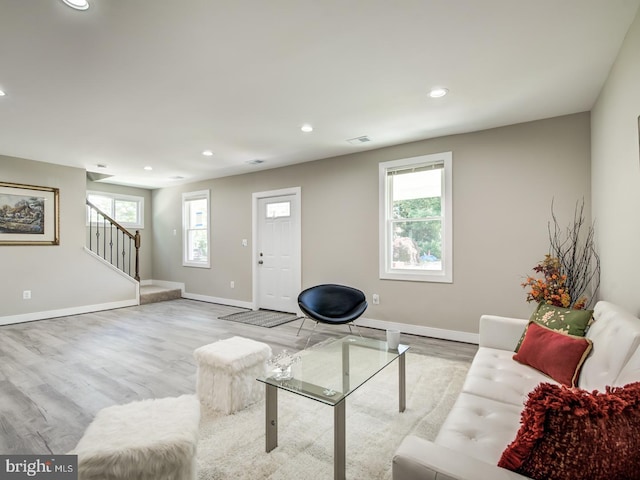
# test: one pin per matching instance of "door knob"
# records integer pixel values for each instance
(260, 262)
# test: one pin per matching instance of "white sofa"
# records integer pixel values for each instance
(486, 415)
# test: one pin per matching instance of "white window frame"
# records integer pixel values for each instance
(187, 197)
(387, 272)
(115, 197)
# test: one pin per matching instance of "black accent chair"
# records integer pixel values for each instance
(332, 304)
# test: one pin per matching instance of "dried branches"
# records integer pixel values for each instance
(575, 250)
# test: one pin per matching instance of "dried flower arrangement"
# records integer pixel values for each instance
(571, 269)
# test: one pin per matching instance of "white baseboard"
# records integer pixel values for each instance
(65, 312)
(197, 296)
(421, 330)
(222, 301)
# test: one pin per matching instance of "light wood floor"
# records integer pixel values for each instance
(56, 374)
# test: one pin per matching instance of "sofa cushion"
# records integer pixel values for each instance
(500, 332)
(495, 375)
(479, 427)
(554, 353)
(568, 433)
(566, 320)
(616, 335)
(630, 373)
(419, 459)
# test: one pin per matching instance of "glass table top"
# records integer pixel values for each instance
(328, 373)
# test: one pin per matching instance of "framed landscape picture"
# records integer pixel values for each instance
(29, 215)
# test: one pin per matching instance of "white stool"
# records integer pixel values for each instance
(146, 440)
(227, 372)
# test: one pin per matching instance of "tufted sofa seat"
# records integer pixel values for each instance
(486, 415)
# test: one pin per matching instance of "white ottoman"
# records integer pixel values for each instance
(146, 440)
(227, 372)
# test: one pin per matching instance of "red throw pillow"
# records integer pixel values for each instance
(555, 354)
(569, 433)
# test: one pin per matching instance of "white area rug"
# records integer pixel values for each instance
(233, 447)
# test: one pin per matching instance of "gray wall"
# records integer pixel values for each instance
(503, 184)
(616, 176)
(60, 277)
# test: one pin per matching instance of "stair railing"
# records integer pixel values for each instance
(112, 242)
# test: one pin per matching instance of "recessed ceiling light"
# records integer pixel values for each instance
(2, 94)
(148, 167)
(306, 128)
(77, 4)
(438, 92)
(207, 153)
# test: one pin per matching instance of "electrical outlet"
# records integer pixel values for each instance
(232, 284)
(245, 242)
(376, 299)
(26, 295)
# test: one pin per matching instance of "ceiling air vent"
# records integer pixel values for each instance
(255, 162)
(359, 140)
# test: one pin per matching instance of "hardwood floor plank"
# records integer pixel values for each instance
(56, 374)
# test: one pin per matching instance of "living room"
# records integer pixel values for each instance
(505, 178)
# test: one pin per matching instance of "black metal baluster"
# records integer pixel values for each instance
(90, 233)
(118, 247)
(124, 252)
(97, 236)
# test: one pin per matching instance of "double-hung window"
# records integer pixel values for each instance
(127, 210)
(416, 218)
(195, 226)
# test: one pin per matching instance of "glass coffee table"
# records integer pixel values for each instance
(329, 374)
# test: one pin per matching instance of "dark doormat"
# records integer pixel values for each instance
(261, 318)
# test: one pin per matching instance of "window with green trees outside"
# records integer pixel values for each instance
(416, 218)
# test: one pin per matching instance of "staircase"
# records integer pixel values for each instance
(153, 294)
(114, 244)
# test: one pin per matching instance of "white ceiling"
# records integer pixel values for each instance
(131, 83)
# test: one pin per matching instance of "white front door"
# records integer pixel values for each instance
(277, 253)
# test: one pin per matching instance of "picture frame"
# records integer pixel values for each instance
(29, 215)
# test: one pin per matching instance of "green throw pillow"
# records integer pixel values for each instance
(566, 320)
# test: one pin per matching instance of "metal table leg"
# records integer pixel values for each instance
(339, 435)
(402, 394)
(346, 350)
(271, 416)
